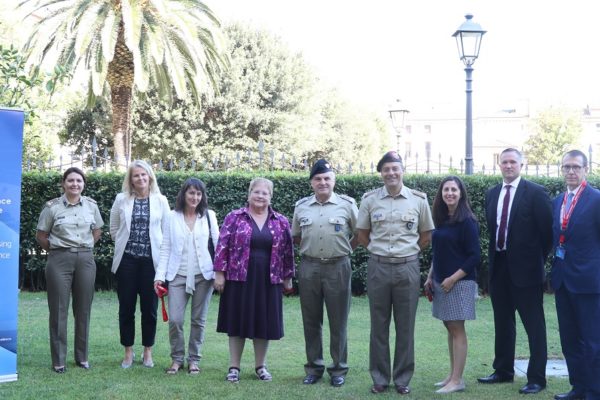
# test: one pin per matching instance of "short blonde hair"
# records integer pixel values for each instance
(128, 186)
(256, 181)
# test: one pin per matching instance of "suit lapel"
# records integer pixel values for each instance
(128, 211)
(519, 193)
(495, 193)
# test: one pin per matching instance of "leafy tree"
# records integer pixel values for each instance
(121, 44)
(555, 130)
(268, 95)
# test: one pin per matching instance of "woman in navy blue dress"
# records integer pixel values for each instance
(451, 279)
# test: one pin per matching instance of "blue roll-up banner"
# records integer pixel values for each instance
(11, 146)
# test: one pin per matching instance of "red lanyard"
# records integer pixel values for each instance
(567, 215)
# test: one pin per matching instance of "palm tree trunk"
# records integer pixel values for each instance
(121, 97)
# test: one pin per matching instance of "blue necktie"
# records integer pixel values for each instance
(569, 201)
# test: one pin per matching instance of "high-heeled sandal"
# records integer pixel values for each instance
(263, 374)
(125, 364)
(233, 375)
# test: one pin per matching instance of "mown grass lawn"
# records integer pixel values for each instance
(106, 380)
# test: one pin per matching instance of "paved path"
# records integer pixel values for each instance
(553, 368)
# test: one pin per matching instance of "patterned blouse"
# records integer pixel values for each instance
(138, 244)
(232, 254)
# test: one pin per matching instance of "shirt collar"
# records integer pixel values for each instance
(403, 192)
(334, 199)
(513, 184)
(66, 202)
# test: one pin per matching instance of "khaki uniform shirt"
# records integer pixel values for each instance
(70, 225)
(325, 229)
(394, 222)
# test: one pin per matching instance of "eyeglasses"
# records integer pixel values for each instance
(574, 168)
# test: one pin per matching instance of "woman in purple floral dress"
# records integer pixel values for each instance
(254, 262)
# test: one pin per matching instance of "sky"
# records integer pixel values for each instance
(547, 52)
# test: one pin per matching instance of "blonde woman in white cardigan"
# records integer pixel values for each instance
(137, 220)
(186, 263)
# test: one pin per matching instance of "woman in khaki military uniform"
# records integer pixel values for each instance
(67, 229)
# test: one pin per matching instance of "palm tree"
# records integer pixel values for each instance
(122, 45)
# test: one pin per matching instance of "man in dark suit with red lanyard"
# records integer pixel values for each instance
(576, 277)
(519, 220)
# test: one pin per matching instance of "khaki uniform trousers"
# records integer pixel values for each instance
(392, 287)
(70, 270)
(325, 282)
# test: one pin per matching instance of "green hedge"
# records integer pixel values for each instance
(227, 191)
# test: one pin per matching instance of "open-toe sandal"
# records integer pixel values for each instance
(263, 374)
(173, 369)
(233, 375)
(193, 368)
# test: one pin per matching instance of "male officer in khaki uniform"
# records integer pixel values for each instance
(324, 226)
(394, 224)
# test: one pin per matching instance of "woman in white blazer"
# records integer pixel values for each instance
(186, 263)
(137, 220)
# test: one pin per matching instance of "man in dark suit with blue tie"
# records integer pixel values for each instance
(519, 221)
(576, 277)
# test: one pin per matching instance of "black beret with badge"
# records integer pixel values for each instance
(390, 156)
(322, 166)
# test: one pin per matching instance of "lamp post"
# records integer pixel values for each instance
(397, 116)
(468, 40)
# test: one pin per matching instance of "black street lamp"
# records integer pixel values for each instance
(397, 116)
(468, 39)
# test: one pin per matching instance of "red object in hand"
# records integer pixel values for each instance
(162, 292)
(288, 292)
(429, 296)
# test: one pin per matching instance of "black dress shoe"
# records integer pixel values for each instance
(337, 381)
(572, 395)
(84, 365)
(402, 389)
(376, 389)
(311, 379)
(531, 388)
(495, 378)
(59, 370)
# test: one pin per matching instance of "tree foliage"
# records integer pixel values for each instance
(169, 45)
(269, 95)
(555, 130)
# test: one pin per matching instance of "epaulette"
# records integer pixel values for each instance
(302, 200)
(89, 199)
(53, 202)
(347, 198)
(370, 193)
(417, 193)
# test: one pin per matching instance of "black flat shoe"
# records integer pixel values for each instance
(337, 381)
(84, 365)
(311, 379)
(531, 388)
(59, 370)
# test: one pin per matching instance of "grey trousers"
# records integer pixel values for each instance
(69, 271)
(178, 300)
(330, 284)
(392, 288)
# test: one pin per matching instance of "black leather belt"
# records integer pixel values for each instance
(395, 260)
(324, 260)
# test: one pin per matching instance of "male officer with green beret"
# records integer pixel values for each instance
(394, 224)
(324, 226)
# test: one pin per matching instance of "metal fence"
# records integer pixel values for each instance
(260, 160)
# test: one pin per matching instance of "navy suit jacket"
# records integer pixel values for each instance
(579, 272)
(529, 237)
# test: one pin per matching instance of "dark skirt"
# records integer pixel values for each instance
(253, 309)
